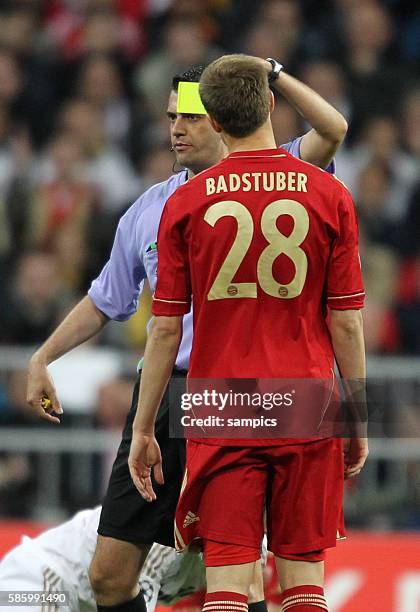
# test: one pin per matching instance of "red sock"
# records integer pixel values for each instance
(225, 601)
(305, 598)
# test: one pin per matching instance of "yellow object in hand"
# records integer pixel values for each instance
(45, 403)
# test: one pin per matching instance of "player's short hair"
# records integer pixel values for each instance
(234, 90)
(192, 75)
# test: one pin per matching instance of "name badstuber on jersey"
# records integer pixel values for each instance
(257, 181)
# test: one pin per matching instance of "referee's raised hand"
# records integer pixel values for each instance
(40, 393)
(145, 455)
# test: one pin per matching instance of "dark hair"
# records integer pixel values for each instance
(234, 91)
(192, 75)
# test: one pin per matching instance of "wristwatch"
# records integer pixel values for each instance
(277, 68)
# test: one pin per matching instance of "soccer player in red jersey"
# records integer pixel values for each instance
(266, 245)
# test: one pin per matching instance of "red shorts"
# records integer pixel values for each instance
(226, 491)
(217, 554)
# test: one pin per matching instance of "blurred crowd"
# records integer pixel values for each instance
(83, 89)
(83, 132)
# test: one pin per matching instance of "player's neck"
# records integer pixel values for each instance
(263, 138)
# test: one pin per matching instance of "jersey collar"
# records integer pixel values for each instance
(260, 153)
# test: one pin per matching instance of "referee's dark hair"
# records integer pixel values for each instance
(192, 75)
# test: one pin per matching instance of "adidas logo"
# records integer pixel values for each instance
(190, 518)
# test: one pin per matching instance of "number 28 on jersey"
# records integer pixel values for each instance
(278, 243)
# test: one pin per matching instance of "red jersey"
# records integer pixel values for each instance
(264, 243)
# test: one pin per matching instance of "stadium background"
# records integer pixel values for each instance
(83, 132)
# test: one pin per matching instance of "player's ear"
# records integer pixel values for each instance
(272, 102)
(216, 126)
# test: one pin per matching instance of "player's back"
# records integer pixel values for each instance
(264, 232)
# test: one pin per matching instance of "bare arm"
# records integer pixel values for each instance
(84, 321)
(346, 327)
(329, 128)
(159, 359)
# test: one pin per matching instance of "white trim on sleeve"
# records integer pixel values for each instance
(343, 297)
(155, 299)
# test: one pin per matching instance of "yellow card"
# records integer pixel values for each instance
(189, 101)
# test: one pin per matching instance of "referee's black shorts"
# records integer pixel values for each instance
(125, 515)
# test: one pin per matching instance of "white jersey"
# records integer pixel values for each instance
(178, 575)
(59, 560)
(56, 560)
